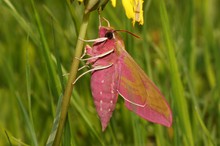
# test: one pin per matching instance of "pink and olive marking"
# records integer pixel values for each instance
(115, 72)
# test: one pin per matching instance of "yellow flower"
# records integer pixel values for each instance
(133, 10)
(113, 3)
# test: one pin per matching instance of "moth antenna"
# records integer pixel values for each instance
(91, 70)
(129, 33)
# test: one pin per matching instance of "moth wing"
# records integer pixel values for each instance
(104, 84)
(140, 93)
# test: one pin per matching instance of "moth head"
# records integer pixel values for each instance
(111, 33)
(107, 32)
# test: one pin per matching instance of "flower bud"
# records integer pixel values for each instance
(91, 5)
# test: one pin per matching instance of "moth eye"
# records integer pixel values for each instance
(109, 35)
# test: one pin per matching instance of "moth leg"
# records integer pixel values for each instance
(103, 19)
(106, 21)
(84, 66)
(97, 40)
(98, 56)
(100, 23)
(88, 50)
(91, 70)
(84, 53)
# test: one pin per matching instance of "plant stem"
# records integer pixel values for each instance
(72, 77)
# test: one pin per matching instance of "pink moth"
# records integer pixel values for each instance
(115, 72)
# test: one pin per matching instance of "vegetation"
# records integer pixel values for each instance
(179, 49)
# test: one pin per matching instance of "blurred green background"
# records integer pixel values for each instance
(179, 49)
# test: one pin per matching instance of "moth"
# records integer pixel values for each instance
(114, 73)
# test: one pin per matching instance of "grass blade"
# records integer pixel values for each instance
(46, 53)
(52, 135)
(28, 121)
(177, 87)
(11, 139)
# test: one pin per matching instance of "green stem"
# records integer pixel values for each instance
(72, 77)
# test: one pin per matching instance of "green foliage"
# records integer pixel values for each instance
(178, 49)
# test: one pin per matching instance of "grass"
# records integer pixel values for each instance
(178, 49)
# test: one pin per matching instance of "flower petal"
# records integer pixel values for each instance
(113, 3)
(128, 6)
(138, 6)
(133, 9)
